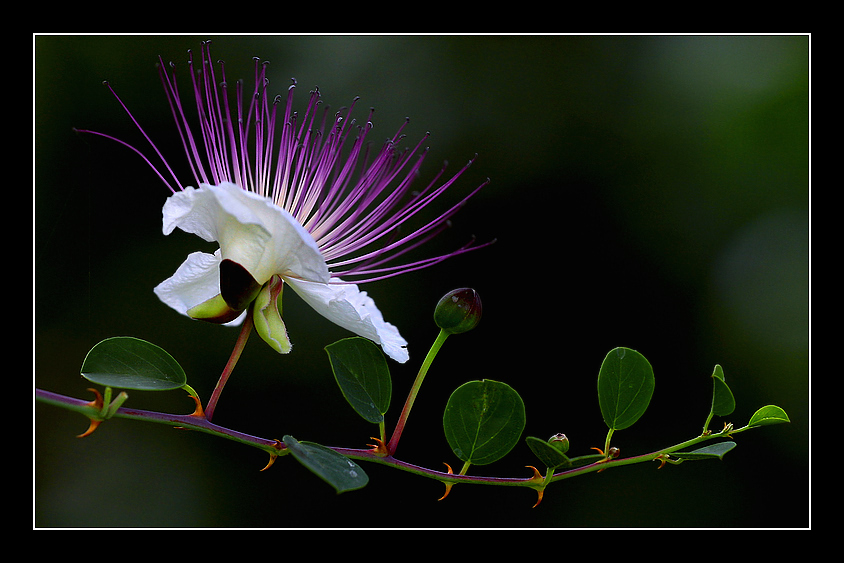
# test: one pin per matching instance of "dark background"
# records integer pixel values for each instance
(646, 191)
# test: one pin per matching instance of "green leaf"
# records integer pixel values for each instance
(483, 421)
(625, 387)
(585, 460)
(723, 402)
(770, 414)
(547, 454)
(335, 469)
(707, 452)
(363, 376)
(131, 363)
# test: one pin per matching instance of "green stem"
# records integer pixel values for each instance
(414, 390)
(245, 329)
(186, 421)
(274, 447)
(706, 424)
(601, 465)
(607, 442)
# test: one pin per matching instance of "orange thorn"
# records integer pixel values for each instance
(600, 451)
(273, 457)
(198, 411)
(447, 485)
(93, 426)
(98, 404)
(272, 461)
(98, 401)
(379, 448)
(661, 460)
(537, 476)
(447, 490)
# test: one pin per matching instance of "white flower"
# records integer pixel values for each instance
(295, 199)
(266, 241)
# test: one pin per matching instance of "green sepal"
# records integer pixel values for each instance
(214, 310)
(237, 290)
(266, 314)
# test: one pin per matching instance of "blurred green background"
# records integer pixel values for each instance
(646, 191)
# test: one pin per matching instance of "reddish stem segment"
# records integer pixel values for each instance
(245, 329)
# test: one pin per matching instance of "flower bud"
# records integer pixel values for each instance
(458, 311)
(559, 442)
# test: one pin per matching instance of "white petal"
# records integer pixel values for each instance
(195, 281)
(347, 306)
(252, 231)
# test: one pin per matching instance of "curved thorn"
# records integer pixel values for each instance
(269, 464)
(93, 426)
(447, 485)
(537, 476)
(447, 490)
(539, 493)
(273, 457)
(97, 403)
(606, 457)
(198, 412)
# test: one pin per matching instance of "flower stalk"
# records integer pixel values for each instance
(458, 311)
(414, 390)
(240, 343)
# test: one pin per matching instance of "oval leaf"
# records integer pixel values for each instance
(723, 402)
(770, 414)
(335, 469)
(714, 451)
(547, 454)
(363, 376)
(585, 460)
(625, 387)
(131, 363)
(483, 421)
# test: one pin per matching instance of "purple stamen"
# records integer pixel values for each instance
(354, 205)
